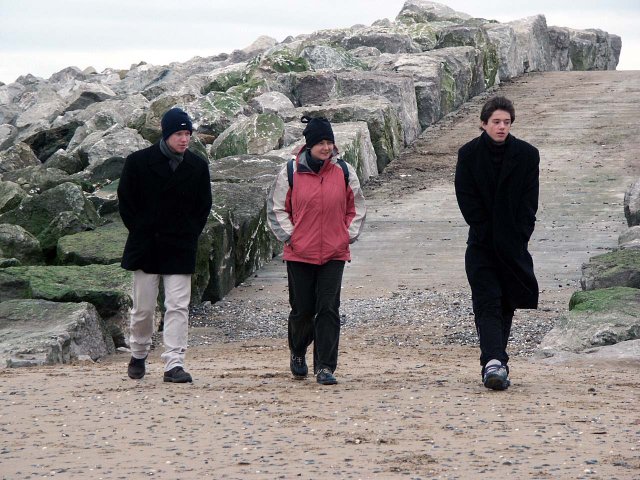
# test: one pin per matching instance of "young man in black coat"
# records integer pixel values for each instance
(497, 183)
(164, 200)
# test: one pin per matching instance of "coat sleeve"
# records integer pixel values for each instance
(356, 206)
(279, 207)
(127, 204)
(204, 202)
(467, 194)
(526, 215)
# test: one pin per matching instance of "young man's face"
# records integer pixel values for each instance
(498, 125)
(179, 141)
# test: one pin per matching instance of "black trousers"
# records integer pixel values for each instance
(314, 296)
(491, 308)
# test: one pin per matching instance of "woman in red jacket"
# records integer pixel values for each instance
(317, 209)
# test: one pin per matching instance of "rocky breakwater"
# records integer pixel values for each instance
(604, 317)
(63, 142)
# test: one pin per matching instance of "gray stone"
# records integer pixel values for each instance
(107, 287)
(104, 153)
(532, 44)
(380, 116)
(596, 318)
(36, 179)
(36, 213)
(67, 162)
(620, 268)
(503, 36)
(560, 42)
(103, 245)
(45, 142)
(594, 50)
(443, 78)
(632, 204)
(382, 39)
(274, 102)
(256, 134)
(633, 233)
(318, 88)
(8, 133)
(422, 11)
(38, 332)
(217, 111)
(10, 196)
(17, 156)
(326, 57)
(16, 242)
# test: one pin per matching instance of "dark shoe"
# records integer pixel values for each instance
(496, 377)
(325, 377)
(136, 368)
(177, 375)
(298, 367)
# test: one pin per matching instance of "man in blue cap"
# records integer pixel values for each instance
(164, 200)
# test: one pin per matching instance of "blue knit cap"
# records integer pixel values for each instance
(175, 120)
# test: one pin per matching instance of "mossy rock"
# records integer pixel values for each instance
(224, 82)
(107, 287)
(620, 268)
(104, 246)
(622, 299)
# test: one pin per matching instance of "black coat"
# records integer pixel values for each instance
(164, 211)
(501, 214)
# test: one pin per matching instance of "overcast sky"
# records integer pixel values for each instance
(44, 36)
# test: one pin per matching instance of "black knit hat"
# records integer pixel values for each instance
(175, 120)
(317, 129)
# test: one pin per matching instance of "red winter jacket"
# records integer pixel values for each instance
(320, 215)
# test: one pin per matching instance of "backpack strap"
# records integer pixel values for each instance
(342, 163)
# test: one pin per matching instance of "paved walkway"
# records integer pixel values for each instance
(586, 127)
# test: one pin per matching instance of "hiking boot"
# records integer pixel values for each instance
(298, 367)
(496, 376)
(177, 375)
(325, 377)
(136, 369)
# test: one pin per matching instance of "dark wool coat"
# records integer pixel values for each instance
(501, 215)
(164, 211)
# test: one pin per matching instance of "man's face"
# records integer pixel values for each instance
(498, 125)
(322, 150)
(179, 141)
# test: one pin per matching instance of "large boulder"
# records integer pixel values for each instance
(510, 63)
(632, 204)
(596, 318)
(532, 43)
(46, 142)
(36, 179)
(594, 50)
(108, 287)
(8, 134)
(16, 157)
(104, 152)
(423, 11)
(10, 196)
(327, 57)
(316, 88)
(44, 215)
(443, 78)
(16, 242)
(216, 111)
(378, 113)
(104, 246)
(257, 134)
(620, 268)
(39, 332)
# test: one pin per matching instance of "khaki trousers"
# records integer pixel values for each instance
(177, 291)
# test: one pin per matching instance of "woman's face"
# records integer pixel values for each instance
(322, 150)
